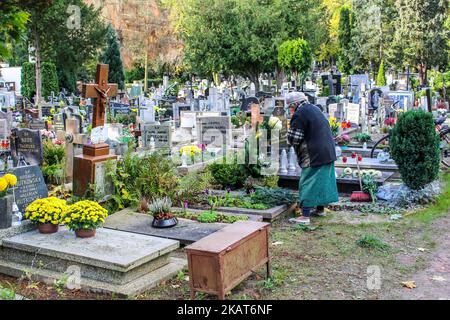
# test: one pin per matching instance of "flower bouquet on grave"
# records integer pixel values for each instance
(192, 151)
(84, 217)
(366, 183)
(46, 213)
(334, 126)
(161, 208)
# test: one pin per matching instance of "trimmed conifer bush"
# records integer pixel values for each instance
(415, 148)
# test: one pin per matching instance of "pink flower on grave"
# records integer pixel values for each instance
(57, 142)
(202, 146)
(185, 204)
(345, 137)
(389, 121)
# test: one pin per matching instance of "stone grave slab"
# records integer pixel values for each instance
(28, 143)
(30, 186)
(186, 231)
(113, 261)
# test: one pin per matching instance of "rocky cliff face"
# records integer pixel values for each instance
(141, 24)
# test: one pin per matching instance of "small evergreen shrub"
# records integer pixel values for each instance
(415, 148)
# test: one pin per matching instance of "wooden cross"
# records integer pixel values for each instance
(100, 91)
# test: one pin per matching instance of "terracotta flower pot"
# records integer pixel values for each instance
(83, 233)
(360, 196)
(48, 228)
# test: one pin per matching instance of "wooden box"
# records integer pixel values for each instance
(220, 261)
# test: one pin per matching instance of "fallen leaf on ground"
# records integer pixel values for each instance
(277, 243)
(421, 249)
(439, 278)
(186, 278)
(175, 286)
(409, 284)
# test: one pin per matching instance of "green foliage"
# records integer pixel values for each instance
(49, 79)
(207, 217)
(363, 137)
(381, 77)
(369, 185)
(371, 242)
(420, 37)
(111, 56)
(7, 294)
(240, 202)
(273, 196)
(345, 39)
(414, 146)
(12, 26)
(227, 175)
(54, 161)
(373, 22)
(68, 48)
(230, 36)
(295, 56)
(136, 178)
(192, 186)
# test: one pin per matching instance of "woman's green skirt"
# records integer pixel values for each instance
(318, 186)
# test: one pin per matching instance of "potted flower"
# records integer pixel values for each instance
(84, 217)
(160, 208)
(6, 200)
(46, 213)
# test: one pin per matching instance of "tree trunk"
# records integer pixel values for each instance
(38, 58)
(423, 74)
(255, 79)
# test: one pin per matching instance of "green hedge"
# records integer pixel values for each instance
(415, 148)
(49, 79)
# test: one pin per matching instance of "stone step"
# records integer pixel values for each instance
(133, 288)
(114, 258)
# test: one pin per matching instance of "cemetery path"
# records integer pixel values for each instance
(433, 282)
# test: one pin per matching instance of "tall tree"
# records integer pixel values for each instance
(373, 23)
(230, 36)
(12, 26)
(420, 38)
(111, 56)
(345, 39)
(65, 32)
(295, 56)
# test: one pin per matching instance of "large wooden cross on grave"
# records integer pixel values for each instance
(100, 91)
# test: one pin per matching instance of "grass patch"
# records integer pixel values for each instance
(440, 208)
(370, 242)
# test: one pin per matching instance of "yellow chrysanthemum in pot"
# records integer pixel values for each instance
(46, 213)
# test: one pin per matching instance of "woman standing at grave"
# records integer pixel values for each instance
(311, 137)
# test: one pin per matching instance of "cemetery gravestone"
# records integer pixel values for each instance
(28, 143)
(178, 108)
(162, 135)
(5, 123)
(353, 110)
(375, 97)
(119, 108)
(37, 125)
(214, 131)
(30, 186)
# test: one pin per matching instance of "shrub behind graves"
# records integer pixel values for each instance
(53, 165)
(135, 178)
(227, 175)
(49, 79)
(415, 148)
